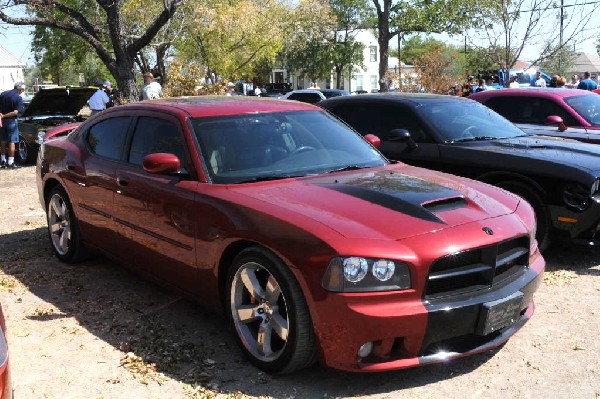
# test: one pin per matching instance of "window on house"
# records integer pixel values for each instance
(373, 53)
(359, 82)
(374, 82)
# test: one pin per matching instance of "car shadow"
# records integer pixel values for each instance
(162, 330)
(580, 260)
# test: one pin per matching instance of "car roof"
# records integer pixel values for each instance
(546, 92)
(204, 106)
(412, 98)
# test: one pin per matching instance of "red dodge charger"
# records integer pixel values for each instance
(314, 246)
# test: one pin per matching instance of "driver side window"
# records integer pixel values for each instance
(153, 135)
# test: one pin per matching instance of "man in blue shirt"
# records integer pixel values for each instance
(99, 99)
(11, 103)
(586, 83)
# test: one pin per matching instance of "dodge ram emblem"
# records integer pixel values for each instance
(488, 231)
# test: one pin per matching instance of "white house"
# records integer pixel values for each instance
(361, 80)
(11, 69)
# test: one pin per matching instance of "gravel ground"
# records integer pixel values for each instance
(96, 330)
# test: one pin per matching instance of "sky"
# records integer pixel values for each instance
(18, 41)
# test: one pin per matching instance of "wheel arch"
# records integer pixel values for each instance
(494, 178)
(48, 186)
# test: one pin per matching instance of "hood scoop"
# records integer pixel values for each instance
(446, 204)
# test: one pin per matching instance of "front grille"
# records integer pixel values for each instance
(477, 268)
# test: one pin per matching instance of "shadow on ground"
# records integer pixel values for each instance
(186, 343)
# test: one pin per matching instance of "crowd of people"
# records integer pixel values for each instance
(557, 81)
(107, 96)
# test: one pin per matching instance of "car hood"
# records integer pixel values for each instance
(393, 202)
(546, 155)
(59, 101)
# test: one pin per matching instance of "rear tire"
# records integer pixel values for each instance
(63, 228)
(542, 215)
(268, 313)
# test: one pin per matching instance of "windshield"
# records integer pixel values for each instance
(586, 106)
(254, 147)
(467, 120)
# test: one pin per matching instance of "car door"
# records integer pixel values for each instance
(380, 119)
(92, 182)
(154, 212)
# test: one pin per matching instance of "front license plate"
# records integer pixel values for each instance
(499, 314)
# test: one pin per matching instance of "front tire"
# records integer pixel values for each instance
(63, 228)
(24, 152)
(268, 313)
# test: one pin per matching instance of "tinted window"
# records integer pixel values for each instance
(152, 135)
(381, 120)
(526, 109)
(305, 97)
(107, 138)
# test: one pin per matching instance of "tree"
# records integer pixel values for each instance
(100, 24)
(412, 16)
(62, 57)
(231, 38)
(437, 69)
(513, 25)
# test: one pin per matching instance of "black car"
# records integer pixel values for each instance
(49, 108)
(560, 178)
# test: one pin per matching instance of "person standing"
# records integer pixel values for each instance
(514, 83)
(539, 80)
(113, 95)
(574, 82)
(151, 89)
(587, 83)
(99, 99)
(11, 103)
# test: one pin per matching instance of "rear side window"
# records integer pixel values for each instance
(380, 120)
(524, 109)
(107, 138)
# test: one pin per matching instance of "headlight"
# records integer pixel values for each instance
(595, 187)
(357, 274)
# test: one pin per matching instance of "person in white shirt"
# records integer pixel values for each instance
(99, 99)
(514, 84)
(539, 81)
(151, 89)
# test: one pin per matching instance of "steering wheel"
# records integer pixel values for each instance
(468, 131)
(302, 148)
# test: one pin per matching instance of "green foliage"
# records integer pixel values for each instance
(62, 57)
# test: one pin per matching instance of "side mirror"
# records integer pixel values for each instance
(161, 163)
(554, 120)
(403, 135)
(374, 140)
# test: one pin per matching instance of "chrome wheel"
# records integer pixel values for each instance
(22, 150)
(259, 312)
(59, 224)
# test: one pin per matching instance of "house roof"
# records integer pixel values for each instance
(521, 65)
(586, 62)
(8, 59)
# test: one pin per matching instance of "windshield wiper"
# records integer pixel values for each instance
(268, 178)
(476, 138)
(349, 167)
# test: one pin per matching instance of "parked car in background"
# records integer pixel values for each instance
(49, 108)
(310, 241)
(328, 93)
(568, 113)
(311, 96)
(5, 382)
(559, 178)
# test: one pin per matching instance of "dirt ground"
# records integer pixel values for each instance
(96, 330)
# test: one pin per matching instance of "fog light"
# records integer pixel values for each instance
(365, 349)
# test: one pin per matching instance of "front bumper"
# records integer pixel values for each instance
(408, 333)
(578, 228)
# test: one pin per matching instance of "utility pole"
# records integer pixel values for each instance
(560, 43)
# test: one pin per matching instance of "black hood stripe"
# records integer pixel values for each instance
(392, 202)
